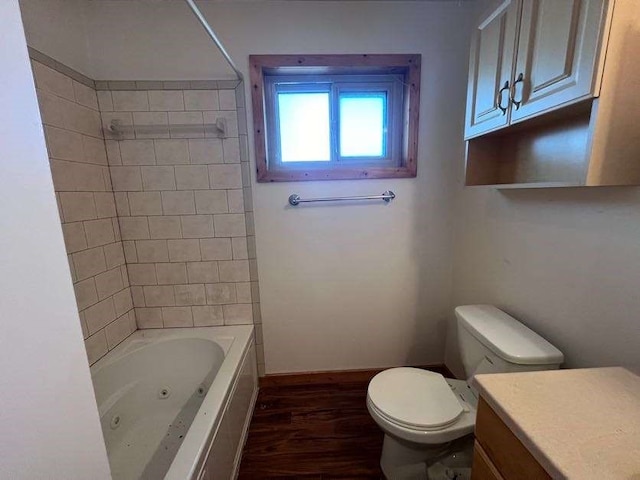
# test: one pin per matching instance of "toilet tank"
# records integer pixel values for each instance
(491, 341)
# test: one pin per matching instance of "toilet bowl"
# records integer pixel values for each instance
(425, 416)
(422, 413)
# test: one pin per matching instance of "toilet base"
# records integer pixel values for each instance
(401, 460)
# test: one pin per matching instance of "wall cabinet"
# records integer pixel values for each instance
(553, 96)
(557, 57)
(491, 70)
(532, 56)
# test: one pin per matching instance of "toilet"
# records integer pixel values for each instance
(428, 418)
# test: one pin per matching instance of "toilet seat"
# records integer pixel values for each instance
(414, 398)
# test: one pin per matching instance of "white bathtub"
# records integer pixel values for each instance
(167, 398)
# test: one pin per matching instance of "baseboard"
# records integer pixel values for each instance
(335, 376)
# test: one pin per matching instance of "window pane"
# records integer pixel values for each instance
(362, 122)
(304, 127)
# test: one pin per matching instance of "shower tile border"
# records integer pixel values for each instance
(60, 67)
(115, 85)
(131, 84)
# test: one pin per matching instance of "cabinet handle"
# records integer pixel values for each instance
(517, 103)
(499, 98)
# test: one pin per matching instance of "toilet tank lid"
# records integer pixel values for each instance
(507, 337)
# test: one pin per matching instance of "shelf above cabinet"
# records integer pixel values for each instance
(592, 139)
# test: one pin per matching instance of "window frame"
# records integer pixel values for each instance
(268, 71)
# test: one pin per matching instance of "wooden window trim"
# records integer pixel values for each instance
(406, 64)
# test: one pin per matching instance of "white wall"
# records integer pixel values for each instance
(50, 426)
(341, 286)
(57, 28)
(565, 262)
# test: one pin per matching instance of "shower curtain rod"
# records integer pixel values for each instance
(196, 11)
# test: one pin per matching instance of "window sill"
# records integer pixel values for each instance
(267, 176)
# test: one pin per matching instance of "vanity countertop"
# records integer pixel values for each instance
(578, 424)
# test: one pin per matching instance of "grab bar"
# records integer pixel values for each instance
(295, 199)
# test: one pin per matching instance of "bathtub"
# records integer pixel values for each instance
(176, 403)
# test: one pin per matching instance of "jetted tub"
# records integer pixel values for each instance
(175, 404)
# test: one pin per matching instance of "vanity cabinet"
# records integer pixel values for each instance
(532, 56)
(498, 454)
(553, 97)
(576, 423)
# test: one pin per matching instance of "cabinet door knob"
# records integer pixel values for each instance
(517, 103)
(499, 98)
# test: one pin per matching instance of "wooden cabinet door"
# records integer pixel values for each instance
(490, 69)
(557, 55)
(483, 468)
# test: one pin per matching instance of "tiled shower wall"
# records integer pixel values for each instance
(248, 208)
(82, 183)
(178, 192)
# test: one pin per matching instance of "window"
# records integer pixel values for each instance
(328, 117)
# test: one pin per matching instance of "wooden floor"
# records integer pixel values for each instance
(313, 431)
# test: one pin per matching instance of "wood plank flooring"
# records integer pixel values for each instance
(316, 431)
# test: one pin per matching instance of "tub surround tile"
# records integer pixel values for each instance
(206, 316)
(201, 100)
(184, 250)
(206, 151)
(109, 283)
(243, 292)
(237, 314)
(145, 203)
(186, 295)
(236, 201)
(202, 272)
(149, 317)
(86, 293)
(178, 203)
(212, 201)
(126, 179)
(142, 274)
(172, 152)
(220, 293)
(128, 100)
(177, 317)
(96, 346)
(159, 296)
(216, 249)
(171, 273)
(165, 227)
(105, 101)
(114, 255)
(99, 232)
(231, 225)
(137, 152)
(83, 184)
(239, 247)
(123, 302)
(137, 296)
(105, 204)
(158, 178)
(134, 228)
(154, 219)
(152, 251)
(118, 330)
(164, 101)
(74, 237)
(234, 270)
(51, 81)
(100, 315)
